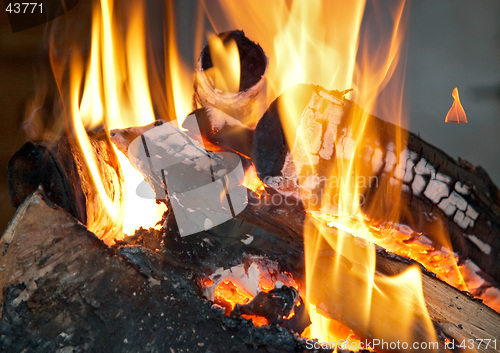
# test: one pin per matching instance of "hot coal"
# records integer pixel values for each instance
(275, 305)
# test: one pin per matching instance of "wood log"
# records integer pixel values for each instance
(253, 66)
(221, 130)
(62, 289)
(53, 297)
(60, 169)
(436, 190)
(455, 314)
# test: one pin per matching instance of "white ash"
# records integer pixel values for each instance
(436, 190)
(418, 185)
(471, 212)
(377, 160)
(219, 119)
(485, 248)
(346, 146)
(311, 142)
(248, 240)
(246, 278)
(390, 159)
(462, 220)
(461, 188)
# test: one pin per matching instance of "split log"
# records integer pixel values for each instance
(253, 66)
(203, 187)
(455, 314)
(62, 289)
(60, 169)
(436, 190)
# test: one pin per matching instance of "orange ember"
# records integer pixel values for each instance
(456, 114)
(252, 182)
(240, 284)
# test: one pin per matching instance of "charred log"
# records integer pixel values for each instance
(222, 130)
(35, 165)
(436, 189)
(65, 290)
(455, 313)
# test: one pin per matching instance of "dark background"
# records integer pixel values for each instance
(451, 43)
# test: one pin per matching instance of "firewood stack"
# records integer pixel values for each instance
(65, 290)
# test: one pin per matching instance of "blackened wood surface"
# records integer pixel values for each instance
(253, 61)
(64, 290)
(60, 169)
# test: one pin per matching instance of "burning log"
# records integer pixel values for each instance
(60, 169)
(236, 101)
(434, 186)
(221, 130)
(63, 289)
(204, 188)
(455, 314)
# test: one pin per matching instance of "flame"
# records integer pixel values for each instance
(225, 73)
(112, 91)
(252, 182)
(178, 75)
(321, 42)
(456, 114)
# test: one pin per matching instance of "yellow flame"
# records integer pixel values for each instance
(317, 42)
(179, 77)
(116, 94)
(225, 73)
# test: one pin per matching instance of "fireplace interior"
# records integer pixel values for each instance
(279, 207)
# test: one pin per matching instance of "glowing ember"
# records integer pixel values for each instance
(456, 114)
(252, 181)
(240, 284)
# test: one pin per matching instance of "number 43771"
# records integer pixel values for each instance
(24, 7)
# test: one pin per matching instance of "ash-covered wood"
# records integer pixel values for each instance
(436, 190)
(253, 64)
(62, 289)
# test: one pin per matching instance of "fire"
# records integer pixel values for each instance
(225, 73)
(456, 114)
(306, 48)
(240, 284)
(111, 89)
(252, 182)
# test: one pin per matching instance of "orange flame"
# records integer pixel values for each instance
(456, 114)
(252, 182)
(225, 72)
(317, 42)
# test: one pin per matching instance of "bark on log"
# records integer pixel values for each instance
(436, 189)
(62, 290)
(61, 170)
